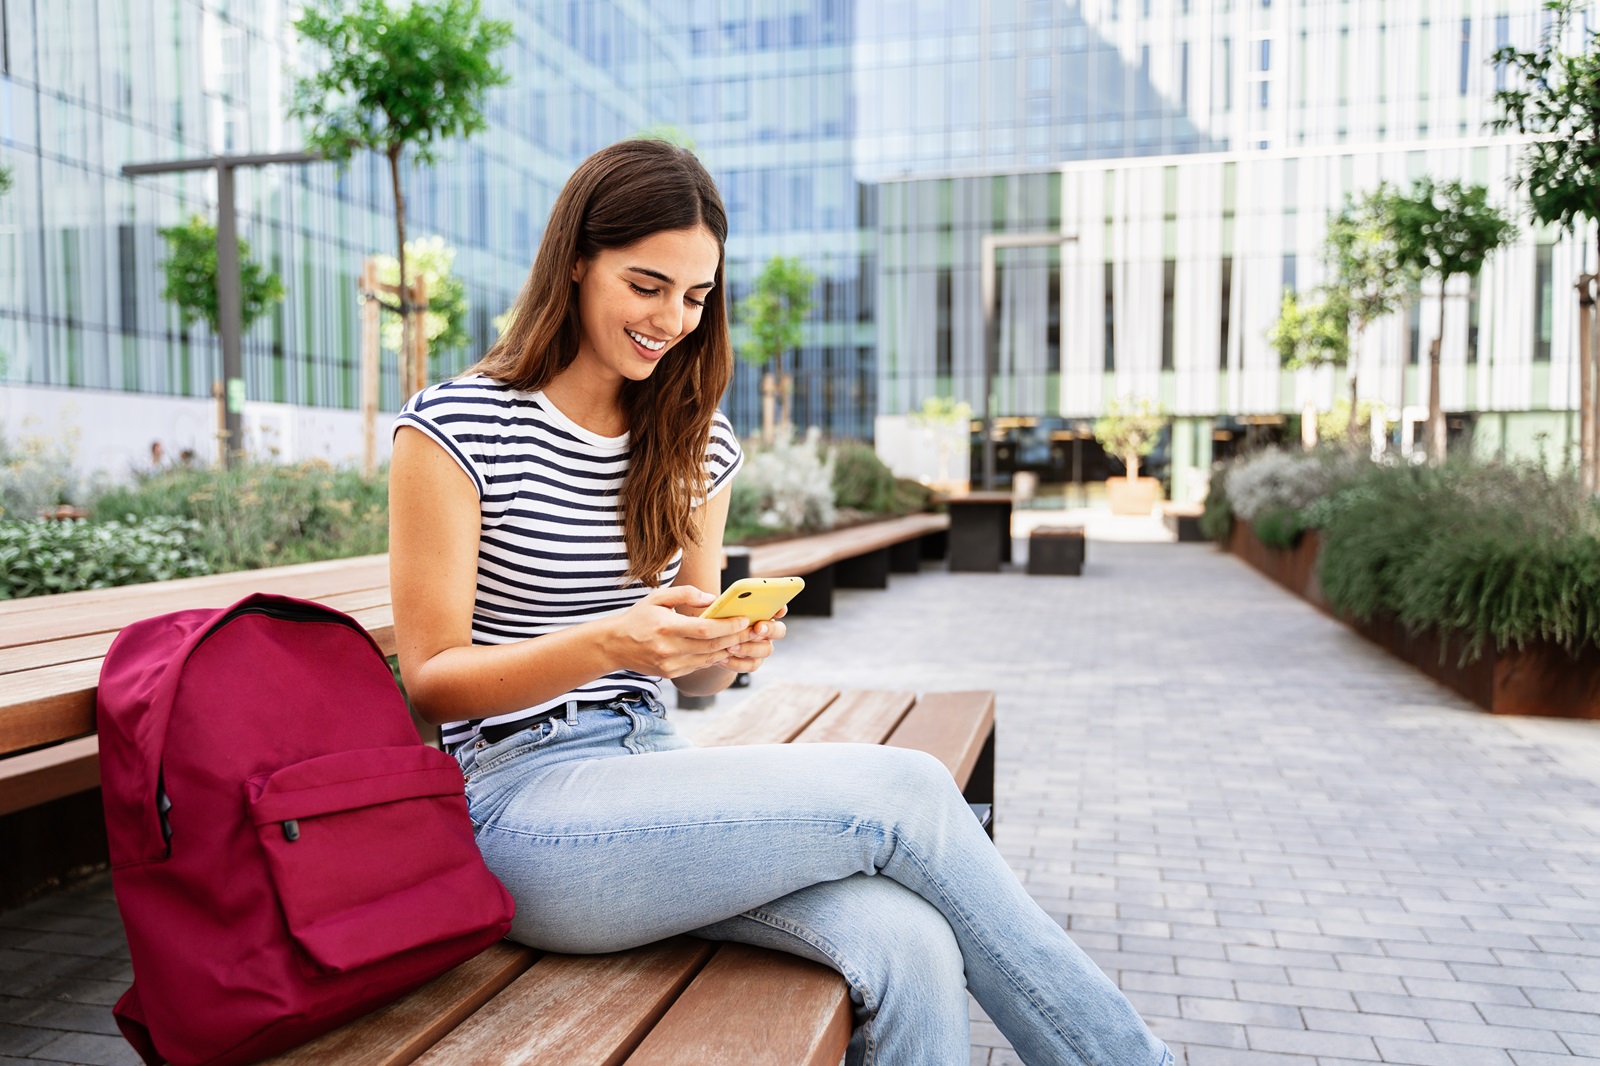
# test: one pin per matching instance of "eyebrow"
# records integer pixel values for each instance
(664, 278)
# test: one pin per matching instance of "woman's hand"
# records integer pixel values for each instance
(755, 646)
(653, 637)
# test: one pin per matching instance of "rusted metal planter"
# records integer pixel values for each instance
(1539, 679)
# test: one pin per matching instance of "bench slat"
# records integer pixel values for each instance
(951, 726)
(751, 1007)
(806, 554)
(576, 1010)
(48, 774)
(396, 1034)
(859, 717)
(772, 716)
(107, 610)
(94, 645)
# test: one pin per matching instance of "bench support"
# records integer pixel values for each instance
(816, 599)
(869, 571)
(934, 546)
(906, 557)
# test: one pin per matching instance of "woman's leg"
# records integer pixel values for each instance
(603, 853)
(894, 949)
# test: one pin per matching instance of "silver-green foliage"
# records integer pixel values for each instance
(37, 473)
(41, 557)
(1278, 480)
(787, 487)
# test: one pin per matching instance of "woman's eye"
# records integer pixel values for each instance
(641, 290)
(691, 301)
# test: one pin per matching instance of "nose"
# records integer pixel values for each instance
(669, 319)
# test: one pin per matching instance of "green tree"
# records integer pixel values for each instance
(5, 180)
(1366, 277)
(191, 276)
(1554, 95)
(444, 323)
(1129, 431)
(1312, 331)
(771, 317)
(1444, 231)
(399, 76)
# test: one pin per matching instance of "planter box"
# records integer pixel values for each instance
(1294, 568)
(1540, 679)
(1129, 496)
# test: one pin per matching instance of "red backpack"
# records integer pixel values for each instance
(287, 854)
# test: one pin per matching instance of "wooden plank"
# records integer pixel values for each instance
(41, 776)
(48, 704)
(94, 645)
(858, 717)
(804, 555)
(576, 1010)
(751, 1007)
(951, 726)
(107, 610)
(773, 715)
(403, 1030)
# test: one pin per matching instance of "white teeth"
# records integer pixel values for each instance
(654, 346)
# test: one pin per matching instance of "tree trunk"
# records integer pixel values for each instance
(1131, 461)
(769, 403)
(408, 384)
(1586, 375)
(786, 394)
(1436, 431)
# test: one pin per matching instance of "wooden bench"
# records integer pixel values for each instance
(859, 557)
(684, 1001)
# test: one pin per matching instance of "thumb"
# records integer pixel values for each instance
(680, 596)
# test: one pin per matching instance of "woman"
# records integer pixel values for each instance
(556, 525)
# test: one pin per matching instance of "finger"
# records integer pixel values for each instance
(781, 612)
(680, 596)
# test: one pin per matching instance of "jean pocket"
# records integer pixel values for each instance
(535, 736)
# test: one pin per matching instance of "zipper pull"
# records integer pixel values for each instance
(291, 830)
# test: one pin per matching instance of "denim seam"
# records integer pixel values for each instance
(531, 834)
(1027, 990)
(850, 974)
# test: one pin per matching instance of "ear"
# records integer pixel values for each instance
(580, 268)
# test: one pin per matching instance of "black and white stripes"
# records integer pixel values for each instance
(551, 551)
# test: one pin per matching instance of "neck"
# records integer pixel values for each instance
(594, 404)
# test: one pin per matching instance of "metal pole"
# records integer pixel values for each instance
(228, 311)
(989, 244)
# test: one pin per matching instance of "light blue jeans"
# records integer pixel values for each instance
(862, 857)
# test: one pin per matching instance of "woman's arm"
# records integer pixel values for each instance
(434, 520)
(702, 569)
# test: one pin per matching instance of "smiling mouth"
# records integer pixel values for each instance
(645, 342)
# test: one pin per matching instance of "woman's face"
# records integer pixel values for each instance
(636, 303)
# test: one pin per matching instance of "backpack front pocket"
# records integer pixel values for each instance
(371, 854)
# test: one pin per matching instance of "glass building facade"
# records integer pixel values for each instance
(1192, 149)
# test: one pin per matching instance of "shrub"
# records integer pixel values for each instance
(1276, 480)
(1216, 521)
(788, 486)
(1501, 553)
(40, 557)
(263, 514)
(910, 495)
(861, 481)
(36, 473)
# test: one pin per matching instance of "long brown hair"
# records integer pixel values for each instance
(620, 195)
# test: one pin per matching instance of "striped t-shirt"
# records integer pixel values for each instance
(551, 551)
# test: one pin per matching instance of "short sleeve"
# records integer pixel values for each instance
(724, 456)
(452, 416)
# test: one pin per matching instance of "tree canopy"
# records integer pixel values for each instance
(774, 310)
(1555, 95)
(191, 276)
(1313, 332)
(397, 75)
(1447, 229)
(1129, 430)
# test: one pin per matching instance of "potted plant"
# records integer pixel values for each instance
(1129, 431)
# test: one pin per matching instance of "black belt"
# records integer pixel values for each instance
(494, 734)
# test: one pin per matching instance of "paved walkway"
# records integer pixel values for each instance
(1289, 848)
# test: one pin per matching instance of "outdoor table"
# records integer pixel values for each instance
(980, 530)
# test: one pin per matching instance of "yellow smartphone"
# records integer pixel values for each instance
(755, 598)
